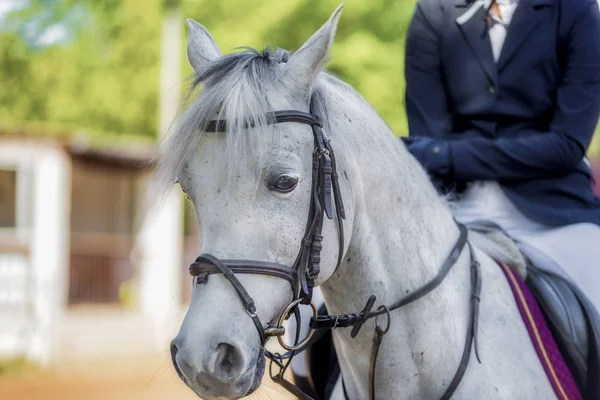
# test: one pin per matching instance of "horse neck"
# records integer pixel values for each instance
(401, 234)
(402, 231)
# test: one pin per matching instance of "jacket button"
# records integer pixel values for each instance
(492, 90)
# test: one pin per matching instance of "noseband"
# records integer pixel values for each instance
(325, 196)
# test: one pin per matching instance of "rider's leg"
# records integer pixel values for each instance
(572, 251)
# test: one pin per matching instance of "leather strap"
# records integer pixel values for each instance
(377, 339)
(201, 266)
(471, 339)
(339, 205)
(346, 397)
(283, 366)
(356, 320)
(325, 192)
(291, 388)
(345, 320)
(435, 282)
(271, 118)
(247, 301)
(363, 316)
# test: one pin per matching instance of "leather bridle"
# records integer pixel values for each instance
(325, 196)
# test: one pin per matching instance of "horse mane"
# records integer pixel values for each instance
(230, 88)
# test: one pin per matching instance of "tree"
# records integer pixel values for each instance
(368, 52)
(103, 74)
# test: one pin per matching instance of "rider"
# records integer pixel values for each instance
(502, 100)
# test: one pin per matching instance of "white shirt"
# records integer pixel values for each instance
(500, 25)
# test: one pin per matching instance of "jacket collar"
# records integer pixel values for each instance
(471, 18)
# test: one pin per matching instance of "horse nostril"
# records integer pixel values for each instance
(229, 363)
(174, 350)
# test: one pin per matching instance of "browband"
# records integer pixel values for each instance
(272, 118)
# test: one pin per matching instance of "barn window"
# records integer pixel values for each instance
(8, 198)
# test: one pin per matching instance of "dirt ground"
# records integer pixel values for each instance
(152, 381)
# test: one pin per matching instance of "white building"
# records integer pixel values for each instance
(71, 285)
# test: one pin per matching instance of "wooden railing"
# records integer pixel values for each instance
(15, 273)
(100, 264)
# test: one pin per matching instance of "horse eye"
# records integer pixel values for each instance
(285, 183)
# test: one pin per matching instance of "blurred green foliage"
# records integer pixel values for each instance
(368, 52)
(16, 367)
(104, 75)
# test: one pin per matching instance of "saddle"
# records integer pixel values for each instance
(575, 325)
(571, 317)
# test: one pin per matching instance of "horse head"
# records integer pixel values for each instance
(251, 173)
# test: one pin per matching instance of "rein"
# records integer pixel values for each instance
(325, 194)
(357, 320)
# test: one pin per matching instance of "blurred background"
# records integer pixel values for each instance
(87, 90)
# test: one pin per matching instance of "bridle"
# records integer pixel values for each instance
(302, 275)
(325, 196)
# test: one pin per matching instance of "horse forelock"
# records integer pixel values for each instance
(232, 88)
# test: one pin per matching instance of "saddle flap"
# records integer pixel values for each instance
(574, 324)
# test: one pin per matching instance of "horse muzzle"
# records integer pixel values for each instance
(226, 372)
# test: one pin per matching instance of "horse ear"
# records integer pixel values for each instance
(305, 64)
(201, 47)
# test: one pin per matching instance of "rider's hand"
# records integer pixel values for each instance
(433, 154)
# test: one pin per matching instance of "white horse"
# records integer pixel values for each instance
(251, 189)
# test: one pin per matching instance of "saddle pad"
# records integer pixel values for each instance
(556, 369)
